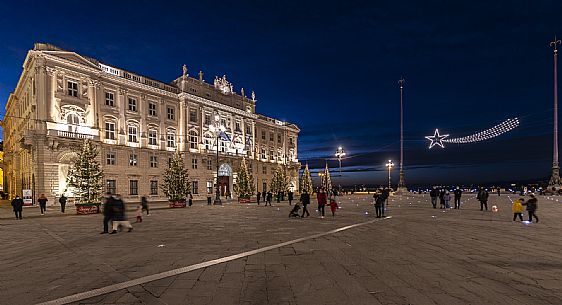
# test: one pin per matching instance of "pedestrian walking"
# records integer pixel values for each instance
(447, 198)
(442, 199)
(62, 201)
(290, 197)
(532, 206)
(107, 211)
(43, 203)
(322, 201)
(278, 197)
(190, 199)
(433, 194)
(483, 198)
(499, 191)
(379, 203)
(517, 209)
(119, 217)
(144, 204)
(458, 194)
(139, 213)
(264, 194)
(305, 201)
(17, 206)
(269, 198)
(333, 206)
(258, 197)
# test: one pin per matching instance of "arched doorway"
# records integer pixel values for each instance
(60, 185)
(224, 179)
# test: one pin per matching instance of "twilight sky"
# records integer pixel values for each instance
(332, 68)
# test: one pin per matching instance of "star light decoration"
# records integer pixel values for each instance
(487, 134)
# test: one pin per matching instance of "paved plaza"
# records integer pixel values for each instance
(419, 255)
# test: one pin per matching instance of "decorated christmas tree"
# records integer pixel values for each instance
(306, 181)
(245, 184)
(326, 180)
(280, 181)
(176, 184)
(85, 175)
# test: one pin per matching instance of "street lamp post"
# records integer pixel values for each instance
(555, 178)
(340, 153)
(401, 182)
(389, 165)
(217, 128)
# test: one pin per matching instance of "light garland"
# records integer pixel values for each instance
(487, 134)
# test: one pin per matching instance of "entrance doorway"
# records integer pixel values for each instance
(224, 185)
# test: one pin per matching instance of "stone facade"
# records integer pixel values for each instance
(63, 98)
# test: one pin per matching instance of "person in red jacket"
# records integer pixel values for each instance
(333, 206)
(322, 201)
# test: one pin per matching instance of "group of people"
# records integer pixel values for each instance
(268, 197)
(380, 198)
(321, 197)
(17, 204)
(114, 210)
(531, 207)
(444, 197)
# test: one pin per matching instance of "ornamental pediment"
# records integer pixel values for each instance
(71, 56)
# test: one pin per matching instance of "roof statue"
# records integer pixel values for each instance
(184, 71)
(200, 75)
(253, 96)
(223, 85)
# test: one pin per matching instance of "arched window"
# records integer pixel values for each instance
(73, 119)
(193, 139)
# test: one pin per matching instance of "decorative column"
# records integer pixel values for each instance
(555, 178)
(401, 183)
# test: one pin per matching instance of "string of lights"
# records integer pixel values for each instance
(487, 134)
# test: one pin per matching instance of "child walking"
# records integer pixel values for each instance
(333, 206)
(139, 213)
(517, 209)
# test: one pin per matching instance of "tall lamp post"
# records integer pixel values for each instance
(555, 178)
(401, 182)
(340, 153)
(217, 128)
(389, 165)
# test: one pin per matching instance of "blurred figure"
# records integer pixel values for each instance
(305, 200)
(144, 204)
(107, 211)
(483, 198)
(62, 201)
(322, 199)
(43, 203)
(119, 218)
(190, 199)
(269, 198)
(17, 206)
(290, 197)
(447, 198)
(442, 198)
(517, 209)
(139, 213)
(532, 205)
(458, 194)
(433, 194)
(379, 203)
(258, 197)
(333, 206)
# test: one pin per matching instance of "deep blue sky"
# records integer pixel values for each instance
(332, 68)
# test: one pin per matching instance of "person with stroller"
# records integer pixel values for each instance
(305, 200)
(295, 210)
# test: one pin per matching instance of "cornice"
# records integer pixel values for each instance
(217, 105)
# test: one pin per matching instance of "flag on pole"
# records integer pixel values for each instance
(224, 136)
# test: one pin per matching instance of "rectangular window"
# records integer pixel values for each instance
(109, 99)
(133, 187)
(153, 161)
(291, 141)
(132, 104)
(151, 109)
(193, 115)
(110, 158)
(248, 129)
(263, 134)
(133, 159)
(171, 139)
(209, 187)
(152, 137)
(111, 186)
(195, 187)
(207, 119)
(153, 187)
(264, 170)
(133, 132)
(169, 162)
(271, 156)
(271, 136)
(237, 126)
(194, 163)
(110, 130)
(263, 156)
(170, 112)
(210, 164)
(72, 88)
(279, 138)
(223, 123)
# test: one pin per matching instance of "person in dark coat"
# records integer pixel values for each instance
(107, 212)
(290, 197)
(442, 199)
(322, 201)
(305, 200)
(269, 198)
(62, 201)
(258, 197)
(379, 202)
(43, 203)
(17, 205)
(483, 198)
(190, 199)
(118, 216)
(532, 205)
(264, 195)
(458, 194)
(385, 196)
(278, 197)
(433, 194)
(144, 204)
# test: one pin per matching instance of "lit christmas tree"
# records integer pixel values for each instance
(326, 180)
(86, 176)
(306, 181)
(176, 184)
(279, 181)
(245, 182)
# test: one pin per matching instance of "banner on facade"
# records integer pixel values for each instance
(27, 197)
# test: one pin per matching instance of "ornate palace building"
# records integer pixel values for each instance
(63, 98)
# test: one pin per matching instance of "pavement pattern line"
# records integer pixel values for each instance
(162, 275)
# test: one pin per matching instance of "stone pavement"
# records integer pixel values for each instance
(419, 256)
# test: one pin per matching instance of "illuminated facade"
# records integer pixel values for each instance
(63, 97)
